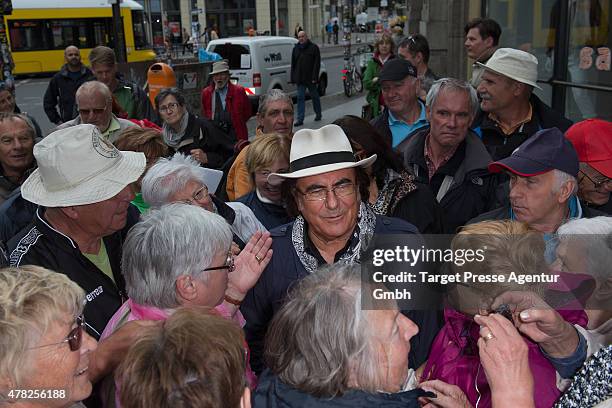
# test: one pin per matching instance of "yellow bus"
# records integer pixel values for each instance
(40, 30)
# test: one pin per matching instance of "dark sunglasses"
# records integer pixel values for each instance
(74, 338)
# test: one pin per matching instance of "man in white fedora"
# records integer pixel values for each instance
(83, 189)
(511, 112)
(225, 103)
(326, 188)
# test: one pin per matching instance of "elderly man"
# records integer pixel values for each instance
(17, 136)
(83, 189)
(416, 50)
(405, 113)
(305, 66)
(481, 40)
(275, 115)
(95, 101)
(592, 139)
(63, 86)
(132, 98)
(225, 103)
(543, 183)
(449, 157)
(511, 113)
(334, 224)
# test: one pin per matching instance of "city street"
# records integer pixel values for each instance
(30, 92)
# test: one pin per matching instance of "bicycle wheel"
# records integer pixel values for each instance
(357, 82)
(348, 85)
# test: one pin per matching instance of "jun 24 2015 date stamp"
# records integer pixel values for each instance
(36, 394)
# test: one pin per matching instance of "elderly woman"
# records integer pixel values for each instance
(151, 143)
(181, 179)
(393, 191)
(194, 360)
(44, 352)
(163, 271)
(510, 247)
(383, 51)
(266, 155)
(323, 349)
(189, 134)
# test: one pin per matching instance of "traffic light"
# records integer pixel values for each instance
(6, 7)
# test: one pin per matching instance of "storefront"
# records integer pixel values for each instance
(232, 17)
(572, 40)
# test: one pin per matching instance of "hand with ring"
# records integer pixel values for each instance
(504, 357)
(249, 265)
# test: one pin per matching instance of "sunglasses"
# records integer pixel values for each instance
(229, 264)
(74, 338)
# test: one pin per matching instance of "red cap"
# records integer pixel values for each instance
(592, 139)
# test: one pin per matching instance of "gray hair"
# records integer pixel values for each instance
(321, 339)
(90, 88)
(272, 95)
(456, 85)
(9, 116)
(561, 178)
(167, 176)
(177, 239)
(595, 236)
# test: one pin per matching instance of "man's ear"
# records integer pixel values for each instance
(566, 190)
(489, 42)
(185, 288)
(70, 212)
(428, 113)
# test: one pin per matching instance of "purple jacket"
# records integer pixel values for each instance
(454, 359)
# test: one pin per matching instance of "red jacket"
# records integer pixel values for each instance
(236, 102)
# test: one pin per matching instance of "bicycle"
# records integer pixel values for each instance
(351, 76)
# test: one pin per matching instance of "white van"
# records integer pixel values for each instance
(261, 63)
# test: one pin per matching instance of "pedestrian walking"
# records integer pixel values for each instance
(305, 65)
(335, 29)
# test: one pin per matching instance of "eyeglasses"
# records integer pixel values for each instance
(171, 106)
(320, 194)
(95, 111)
(229, 264)
(199, 195)
(74, 338)
(597, 184)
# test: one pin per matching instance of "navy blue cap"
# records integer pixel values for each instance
(396, 69)
(546, 150)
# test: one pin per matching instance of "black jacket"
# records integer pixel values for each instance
(203, 134)
(271, 392)
(40, 244)
(270, 215)
(305, 63)
(501, 146)
(473, 188)
(61, 93)
(285, 269)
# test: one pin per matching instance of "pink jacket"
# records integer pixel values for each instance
(454, 359)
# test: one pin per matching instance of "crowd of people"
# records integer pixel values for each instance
(155, 257)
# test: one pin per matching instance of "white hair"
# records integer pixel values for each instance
(168, 176)
(594, 235)
(174, 240)
(561, 178)
(453, 84)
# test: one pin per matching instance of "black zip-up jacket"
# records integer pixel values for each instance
(61, 93)
(473, 190)
(501, 146)
(305, 63)
(40, 244)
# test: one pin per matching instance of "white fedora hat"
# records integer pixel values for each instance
(77, 166)
(515, 64)
(319, 151)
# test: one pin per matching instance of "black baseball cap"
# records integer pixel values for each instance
(396, 69)
(546, 150)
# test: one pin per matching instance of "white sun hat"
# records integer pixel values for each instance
(514, 64)
(78, 166)
(318, 151)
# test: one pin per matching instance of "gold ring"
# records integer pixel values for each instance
(488, 336)
(258, 259)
